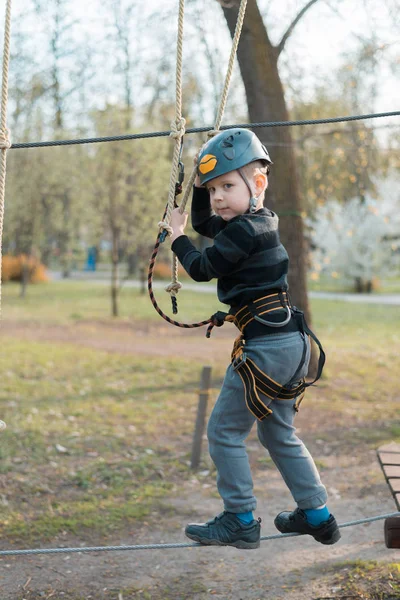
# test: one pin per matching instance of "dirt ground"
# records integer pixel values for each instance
(290, 569)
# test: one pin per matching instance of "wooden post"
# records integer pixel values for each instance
(201, 417)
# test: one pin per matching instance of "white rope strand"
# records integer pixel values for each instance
(4, 134)
(177, 126)
(5, 142)
(177, 133)
(224, 96)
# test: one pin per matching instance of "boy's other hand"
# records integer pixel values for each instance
(178, 223)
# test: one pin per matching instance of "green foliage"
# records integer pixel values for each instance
(81, 444)
(46, 198)
(66, 302)
(61, 200)
(337, 163)
(129, 184)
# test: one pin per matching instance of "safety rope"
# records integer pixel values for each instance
(4, 137)
(277, 536)
(178, 130)
(4, 134)
(153, 134)
(224, 96)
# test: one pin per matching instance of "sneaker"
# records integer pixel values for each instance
(326, 532)
(226, 530)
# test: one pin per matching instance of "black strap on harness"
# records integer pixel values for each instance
(254, 380)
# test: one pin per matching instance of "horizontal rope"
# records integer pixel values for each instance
(138, 136)
(168, 546)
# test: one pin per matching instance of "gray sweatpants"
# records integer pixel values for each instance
(231, 421)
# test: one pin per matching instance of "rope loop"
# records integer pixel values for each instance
(178, 128)
(5, 141)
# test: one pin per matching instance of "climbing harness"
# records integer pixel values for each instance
(251, 320)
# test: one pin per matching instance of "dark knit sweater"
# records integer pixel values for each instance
(247, 256)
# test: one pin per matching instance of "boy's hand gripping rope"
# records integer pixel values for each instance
(218, 318)
(177, 132)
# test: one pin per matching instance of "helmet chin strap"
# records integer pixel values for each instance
(253, 199)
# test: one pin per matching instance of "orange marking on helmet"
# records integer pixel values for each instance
(207, 163)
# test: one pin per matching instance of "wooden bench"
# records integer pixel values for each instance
(389, 460)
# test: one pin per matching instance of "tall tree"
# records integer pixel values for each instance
(65, 79)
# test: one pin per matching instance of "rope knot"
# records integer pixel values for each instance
(173, 287)
(5, 141)
(212, 133)
(178, 128)
(164, 226)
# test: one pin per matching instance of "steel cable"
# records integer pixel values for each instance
(168, 545)
(152, 134)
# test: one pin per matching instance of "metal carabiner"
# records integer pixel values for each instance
(274, 324)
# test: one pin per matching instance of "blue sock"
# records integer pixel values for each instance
(315, 516)
(246, 517)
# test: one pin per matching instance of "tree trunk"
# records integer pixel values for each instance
(258, 61)
(25, 275)
(65, 236)
(143, 279)
(115, 273)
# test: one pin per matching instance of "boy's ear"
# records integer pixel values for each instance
(261, 182)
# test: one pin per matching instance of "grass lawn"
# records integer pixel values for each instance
(86, 449)
(326, 283)
(98, 434)
(69, 301)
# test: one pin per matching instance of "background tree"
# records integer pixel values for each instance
(358, 242)
(129, 192)
(338, 162)
(42, 184)
(69, 65)
(63, 79)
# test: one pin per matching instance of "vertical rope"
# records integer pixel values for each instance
(177, 126)
(235, 44)
(177, 132)
(4, 138)
(224, 96)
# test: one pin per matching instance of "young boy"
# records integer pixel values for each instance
(251, 266)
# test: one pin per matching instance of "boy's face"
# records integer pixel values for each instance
(229, 195)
